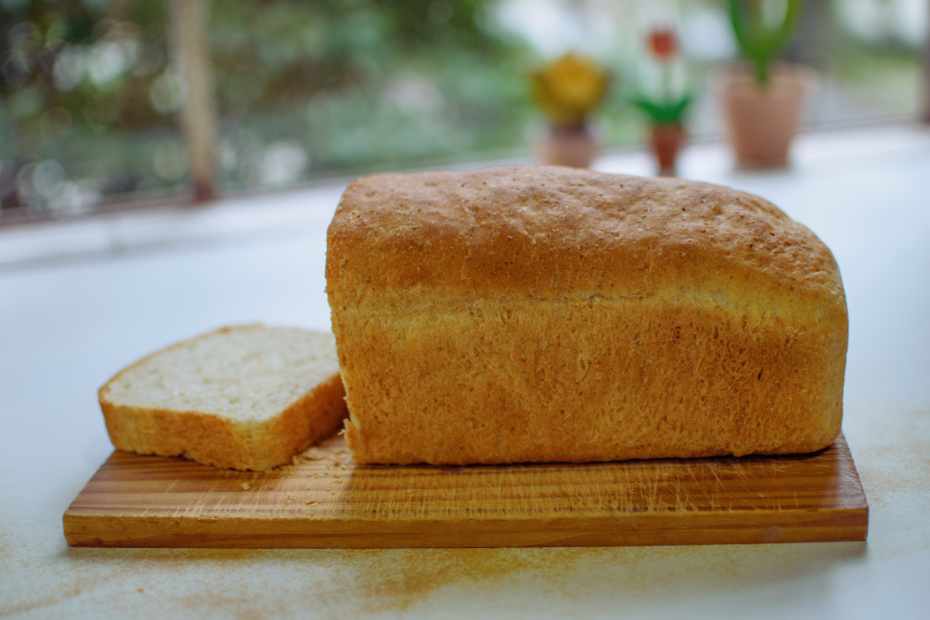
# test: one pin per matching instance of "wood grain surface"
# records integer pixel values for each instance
(323, 500)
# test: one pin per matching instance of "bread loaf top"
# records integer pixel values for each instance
(553, 232)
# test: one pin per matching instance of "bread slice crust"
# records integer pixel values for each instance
(546, 314)
(213, 439)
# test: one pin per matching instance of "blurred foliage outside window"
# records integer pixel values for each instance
(89, 96)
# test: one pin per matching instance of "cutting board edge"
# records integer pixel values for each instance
(831, 525)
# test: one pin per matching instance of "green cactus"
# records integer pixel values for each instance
(758, 41)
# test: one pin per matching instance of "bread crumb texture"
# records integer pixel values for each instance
(246, 397)
(549, 314)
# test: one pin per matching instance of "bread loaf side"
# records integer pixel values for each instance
(523, 314)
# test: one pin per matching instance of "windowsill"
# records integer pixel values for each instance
(242, 217)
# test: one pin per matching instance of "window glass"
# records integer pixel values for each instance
(332, 88)
(89, 94)
(87, 105)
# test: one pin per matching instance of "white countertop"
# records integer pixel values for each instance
(80, 300)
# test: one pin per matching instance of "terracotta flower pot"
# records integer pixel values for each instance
(763, 122)
(666, 141)
(567, 147)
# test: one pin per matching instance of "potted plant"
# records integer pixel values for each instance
(667, 109)
(568, 90)
(762, 98)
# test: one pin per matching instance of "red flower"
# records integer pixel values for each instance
(663, 43)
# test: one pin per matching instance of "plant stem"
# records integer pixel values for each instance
(667, 83)
(762, 69)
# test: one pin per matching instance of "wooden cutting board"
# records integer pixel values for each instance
(325, 501)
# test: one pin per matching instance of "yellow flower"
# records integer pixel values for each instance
(568, 89)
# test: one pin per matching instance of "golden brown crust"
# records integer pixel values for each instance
(540, 314)
(221, 442)
(553, 232)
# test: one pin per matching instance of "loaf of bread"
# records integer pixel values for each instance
(248, 397)
(522, 314)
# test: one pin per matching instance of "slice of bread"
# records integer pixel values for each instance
(247, 397)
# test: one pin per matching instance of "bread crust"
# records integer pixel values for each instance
(552, 314)
(214, 440)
